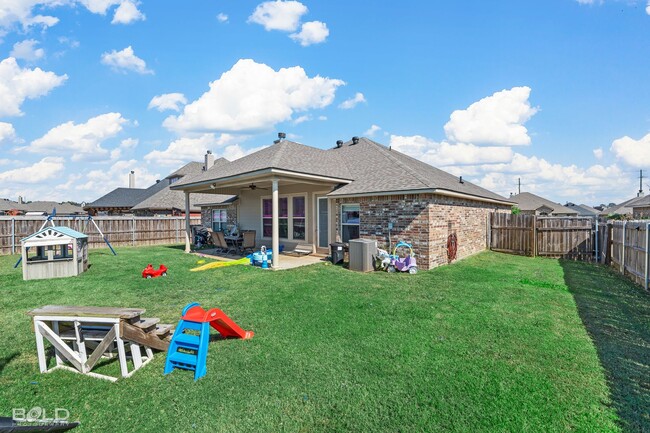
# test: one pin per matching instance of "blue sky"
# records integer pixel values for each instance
(553, 92)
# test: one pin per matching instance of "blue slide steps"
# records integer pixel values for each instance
(189, 351)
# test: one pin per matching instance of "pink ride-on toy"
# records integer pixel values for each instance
(403, 264)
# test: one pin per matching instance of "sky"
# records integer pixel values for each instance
(553, 93)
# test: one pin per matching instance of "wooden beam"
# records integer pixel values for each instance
(100, 349)
(59, 344)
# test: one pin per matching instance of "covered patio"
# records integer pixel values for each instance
(280, 194)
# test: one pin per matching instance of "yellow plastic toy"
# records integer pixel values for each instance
(213, 265)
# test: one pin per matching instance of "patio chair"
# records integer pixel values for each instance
(220, 242)
(300, 250)
(248, 241)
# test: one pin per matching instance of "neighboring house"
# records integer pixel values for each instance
(624, 209)
(583, 210)
(532, 204)
(358, 189)
(39, 208)
(171, 202)
(641, 208)
(158, 199)
(8, 207)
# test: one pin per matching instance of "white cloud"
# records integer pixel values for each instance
(99, 6)
(322, 117)
(46, 169)
(445, 154)
(353, 102)
(647, 8)
(129, 143)
(124, 61)
(14, 12)
(222, 18)
(313, 32)
(252, 97)
(126, 13)
(93, 184)
(18, 84)
(598, 153)
(7, 132)
(72, 43)
(82, 140)
(372, 130)
(302, 119)
(168, 101)
(635, 153)
(497, 119)
(278, 15)
(186, 149)
(26, 50)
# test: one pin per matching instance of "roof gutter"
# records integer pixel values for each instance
(426, 191)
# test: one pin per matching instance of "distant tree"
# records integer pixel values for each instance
(515, 210)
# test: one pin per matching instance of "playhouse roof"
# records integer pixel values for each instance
(65, 231)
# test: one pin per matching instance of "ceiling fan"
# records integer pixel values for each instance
(253, 187)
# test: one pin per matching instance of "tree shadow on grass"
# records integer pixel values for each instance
(616, 314)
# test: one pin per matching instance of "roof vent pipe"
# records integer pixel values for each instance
(355, 140)
(339, 143)
(282, 136)
(132, 179)
(460, 179)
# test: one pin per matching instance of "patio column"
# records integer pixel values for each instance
(188, 229)
(276, 225)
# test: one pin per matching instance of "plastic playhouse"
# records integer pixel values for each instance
(189, 350)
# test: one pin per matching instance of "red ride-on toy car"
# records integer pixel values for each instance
(150, 272)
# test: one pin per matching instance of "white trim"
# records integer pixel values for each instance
(289, 217)
(425, 191)
(258, 173)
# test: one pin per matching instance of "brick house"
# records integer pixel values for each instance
(290, 193)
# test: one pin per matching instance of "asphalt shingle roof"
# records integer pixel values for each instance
(167, 198)
(366, 167)
(625, 208)
(527, 201)
(286, 155)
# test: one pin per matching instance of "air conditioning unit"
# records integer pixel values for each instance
(361, 254)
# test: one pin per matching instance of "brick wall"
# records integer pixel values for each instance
(641, 212)
(426, 221)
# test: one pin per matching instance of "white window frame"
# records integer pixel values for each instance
(221, 223)
(289, 198)
(347, 224)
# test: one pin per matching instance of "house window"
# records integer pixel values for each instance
(299, 218)
(292, 217)
(267, 217)
(219, 219)
(350, 218)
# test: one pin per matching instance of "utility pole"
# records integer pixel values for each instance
(640, 194)
(519, 185)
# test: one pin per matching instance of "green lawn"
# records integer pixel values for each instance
(491, 343)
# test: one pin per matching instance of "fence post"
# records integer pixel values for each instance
(534, 235)
(647, 254)
(623, 248)
(596, 242)
(133, 230)
(13, 236)
(177, 234)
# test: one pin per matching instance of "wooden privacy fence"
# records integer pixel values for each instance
(120, 231)
(629, 250)
(530, 235)
(623, 245)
